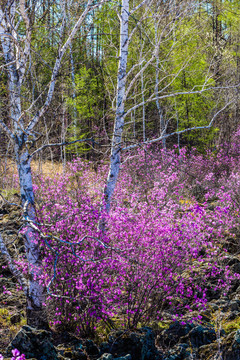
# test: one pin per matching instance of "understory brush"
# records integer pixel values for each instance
(163, 249)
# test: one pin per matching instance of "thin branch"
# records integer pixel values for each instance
(89, 7)
(8, 131)
(65, 143)
(190, 92)
(138, 7)
(10, 63)
(9, 203)
(181, 131)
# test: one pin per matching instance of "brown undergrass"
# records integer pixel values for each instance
(8, 171)
(46, 168)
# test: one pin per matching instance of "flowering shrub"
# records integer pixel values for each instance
(161, 250)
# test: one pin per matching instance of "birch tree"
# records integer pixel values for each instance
(123, 91)
(159, 24)
(16, 27)
(119, 121)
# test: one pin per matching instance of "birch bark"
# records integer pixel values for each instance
(160, 114)
(119, 119)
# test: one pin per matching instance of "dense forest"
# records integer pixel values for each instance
(120, 178)
(182, 69)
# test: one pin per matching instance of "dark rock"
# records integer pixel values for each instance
(108, 356)
(232, 245)
(74, 351)
(105, 347)
(34, 344)
(91, 348)
(212, 294)
(234, 263)
(236, 268)
(232, 316)
(126, 357)
(68, 353)
(237, 337)
(233, 305)
(231, 260)
(213, 306)
(199, 336)
(15, 319)
(79, 355)
(140, 345)
(179, 352)
(221, 302)
(172, 335)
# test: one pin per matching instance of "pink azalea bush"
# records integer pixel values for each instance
(164, 245)
(161, 249)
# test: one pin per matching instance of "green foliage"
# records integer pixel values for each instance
(87, 98)
(230, 16)
(85, 107)
(190, 67)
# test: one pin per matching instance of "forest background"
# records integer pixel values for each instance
(191, 48)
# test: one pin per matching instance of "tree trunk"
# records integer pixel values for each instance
(36, 312)
(159, 109)
(36, 315)
(119, 119)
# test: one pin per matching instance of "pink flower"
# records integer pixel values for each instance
(15, 352)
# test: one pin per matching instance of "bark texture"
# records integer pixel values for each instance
(119, 120)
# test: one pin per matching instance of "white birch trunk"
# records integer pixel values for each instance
(160, 114)
(73, 97)
(119, 119)
(36, 315)
(143, 109)
(35, 297)
(34, 292)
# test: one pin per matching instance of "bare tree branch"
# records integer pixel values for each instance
(89, 7)
(26, 52)
(181, 131)
(8, 131)
(178, 93)
(65, 143)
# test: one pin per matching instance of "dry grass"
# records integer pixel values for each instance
(46, 168)
(8, 171)
(9, 186)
